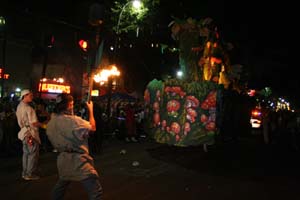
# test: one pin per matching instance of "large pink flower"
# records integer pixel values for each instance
(210, 126)
(175, 127)
(203, 118)
(191, 114)
(174, 90)
(192, 101)
(173, 106)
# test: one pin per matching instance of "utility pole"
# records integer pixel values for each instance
(96, 13)
(48, 42)
(2, 27)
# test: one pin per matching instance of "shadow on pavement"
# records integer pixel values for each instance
(244, 160)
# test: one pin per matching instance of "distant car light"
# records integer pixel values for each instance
(256, 113)
(256, 118)
(255, 123)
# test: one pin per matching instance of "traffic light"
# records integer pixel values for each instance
(83, 45)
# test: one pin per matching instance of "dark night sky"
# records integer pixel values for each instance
(259, 32)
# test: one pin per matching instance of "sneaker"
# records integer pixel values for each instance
(127, 139)
(31, 178)
(54, 150)
(133, 139)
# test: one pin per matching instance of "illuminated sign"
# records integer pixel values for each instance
(4, 76)
(95, 93)
(54, 88)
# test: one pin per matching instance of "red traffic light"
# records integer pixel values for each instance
(83, 45)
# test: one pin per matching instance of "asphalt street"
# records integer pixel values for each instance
(148, 170)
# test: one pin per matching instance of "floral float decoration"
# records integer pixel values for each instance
(173, 107)
(183, 112)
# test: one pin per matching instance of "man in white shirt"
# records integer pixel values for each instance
(28, 121)
(69, 134)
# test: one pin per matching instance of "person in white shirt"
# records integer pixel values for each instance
(69, 134)
(29, 135)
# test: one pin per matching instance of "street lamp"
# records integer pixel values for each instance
(179, 74)
(136, 4)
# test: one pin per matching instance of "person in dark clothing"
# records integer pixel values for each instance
(130, 123)
(43, 117)
(245, 108)
(96, 139)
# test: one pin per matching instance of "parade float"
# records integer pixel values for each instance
(184, 112)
